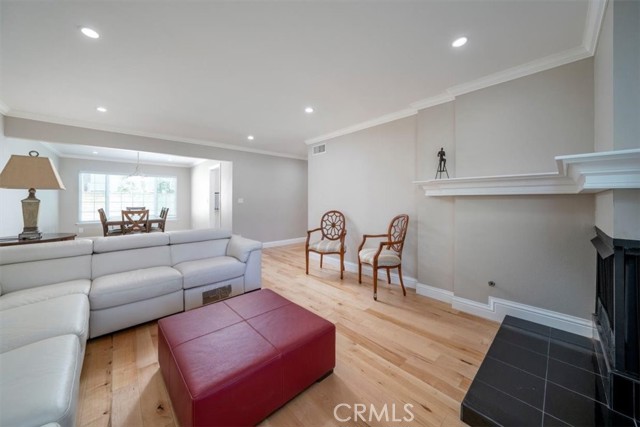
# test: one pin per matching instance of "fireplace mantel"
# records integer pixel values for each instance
(579, 173)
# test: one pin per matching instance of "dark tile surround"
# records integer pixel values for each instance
(534, 375)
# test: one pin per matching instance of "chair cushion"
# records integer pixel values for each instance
(211, 270)
(42, 293)
(325, 246)
(39, 382)
(29, 323)
(130, 286)
(387, 258)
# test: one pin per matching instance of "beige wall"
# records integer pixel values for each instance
(536, 248)
(70, 170)
(11, 223)
(274, 189)
(519, 126)
(617, 108)
(368, 176)
(435, 130)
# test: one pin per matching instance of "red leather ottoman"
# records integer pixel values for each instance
(235, 362)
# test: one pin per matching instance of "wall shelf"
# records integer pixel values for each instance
(579, 173)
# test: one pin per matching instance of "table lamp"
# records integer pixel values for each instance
(30, 172)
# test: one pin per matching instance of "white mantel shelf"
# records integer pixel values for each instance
(579, 173)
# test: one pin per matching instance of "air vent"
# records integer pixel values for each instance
(319, 149)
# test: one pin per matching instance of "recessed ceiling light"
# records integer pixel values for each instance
(101, 109)
(308, 110)
(90, 32)
(250, 137)
(459, 42)
(95, 152)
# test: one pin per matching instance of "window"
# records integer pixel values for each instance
(114, 193)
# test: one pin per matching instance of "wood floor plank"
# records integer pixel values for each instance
(398, 350)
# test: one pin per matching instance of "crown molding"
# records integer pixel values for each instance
(595, 17)
(50, 146)
(364, 125)
(542, 64)
(443, 98)
(106, 128)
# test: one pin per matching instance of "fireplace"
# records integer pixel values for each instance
(617, 320)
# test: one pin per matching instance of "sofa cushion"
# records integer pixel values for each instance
(30, 266)
(135, 285)
(198, 250)
(122, 261)
(130, 241)
(42, 293)
(198, 235)
(211, 270)
(52, 250)
(241, 247)
(45, 391)
(53, 317)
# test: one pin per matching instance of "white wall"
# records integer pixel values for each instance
(202, 213)
(274, 189)
(11, 223)
(70, 169)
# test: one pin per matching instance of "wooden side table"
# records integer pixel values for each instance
(46, 237)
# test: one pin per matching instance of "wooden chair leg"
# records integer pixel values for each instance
(307, 252)
(388, 275)
(321, 257)
(404, 291)
(359, 271)
(375, 282)
(341, 264)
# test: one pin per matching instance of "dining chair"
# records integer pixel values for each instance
(135, 221)
(388, 255)
(160, 225)
(109, 228)
(333, 231)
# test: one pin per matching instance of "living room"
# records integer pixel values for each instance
(539, 129)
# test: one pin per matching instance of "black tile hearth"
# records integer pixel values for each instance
(518, 357)
(537, 375)
(574, 355)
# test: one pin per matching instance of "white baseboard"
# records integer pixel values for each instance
(497, 308)
(352, 267)
(277, 243)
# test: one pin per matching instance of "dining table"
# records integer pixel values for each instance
(149, 223)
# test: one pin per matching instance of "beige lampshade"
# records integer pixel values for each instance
(30, 172)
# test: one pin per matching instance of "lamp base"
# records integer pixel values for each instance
(30, 207)
(30, 235)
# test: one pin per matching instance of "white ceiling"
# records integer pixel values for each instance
(219, 71)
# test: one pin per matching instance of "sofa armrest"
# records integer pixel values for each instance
(241, 247)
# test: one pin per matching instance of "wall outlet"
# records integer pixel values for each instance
(80, 230)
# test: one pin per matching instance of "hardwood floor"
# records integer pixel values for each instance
(397, 350)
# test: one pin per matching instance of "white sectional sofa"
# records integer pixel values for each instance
(53, 296)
